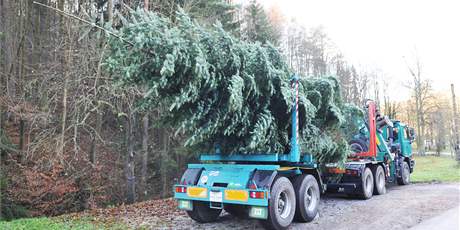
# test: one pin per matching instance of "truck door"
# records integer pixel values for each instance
(406, 147)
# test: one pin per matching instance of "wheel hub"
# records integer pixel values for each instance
(310, 199)
(381, 180)
(284, 205)
(368, 184)
(406, 174)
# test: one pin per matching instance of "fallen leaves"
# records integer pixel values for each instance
(133, 215)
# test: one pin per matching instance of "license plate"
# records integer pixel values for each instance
(185, 205)
(258, 212)
(215, 196)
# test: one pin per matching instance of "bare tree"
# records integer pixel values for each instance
(455, 124)
(421, 93)
(390, 107)
(438, 127)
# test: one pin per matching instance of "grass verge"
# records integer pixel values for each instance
(57, 223)
(433, 168)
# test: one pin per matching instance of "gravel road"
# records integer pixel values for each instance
(402, 207)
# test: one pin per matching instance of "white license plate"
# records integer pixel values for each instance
(215, 196)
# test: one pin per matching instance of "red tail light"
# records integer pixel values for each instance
(257, 195)
(181, 189)
(351, 172)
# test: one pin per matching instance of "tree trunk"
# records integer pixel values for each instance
(146, 5)
(60, 5)
(110, 11)
(92, 153)
(145, 154)
(60, 151)
(3, 60)
(456, 125)
(145, 139)
(130, 178)
(10, 41)
(21, 70)
(163, 158)
(66, 63)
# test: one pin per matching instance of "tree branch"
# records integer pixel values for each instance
(84, 21)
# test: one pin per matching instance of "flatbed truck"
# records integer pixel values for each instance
(281, 188)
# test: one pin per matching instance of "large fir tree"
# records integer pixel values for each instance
(221, 90)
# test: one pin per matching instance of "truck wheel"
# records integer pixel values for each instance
(281, 206)
(240, 211)
(367, 184)
(358, 146)
(202, 213)
(405, 174)
(307, 198)
(379, 181)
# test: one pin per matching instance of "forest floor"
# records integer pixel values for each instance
(401, 208)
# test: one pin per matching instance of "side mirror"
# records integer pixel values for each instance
(412, 135)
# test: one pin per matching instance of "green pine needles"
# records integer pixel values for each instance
(221, 90)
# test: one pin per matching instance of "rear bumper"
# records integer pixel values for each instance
(218, 196)
(347, 188)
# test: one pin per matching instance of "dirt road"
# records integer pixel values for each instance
(402, 207)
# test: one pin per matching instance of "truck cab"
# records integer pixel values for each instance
(400, 138)
(381, 153)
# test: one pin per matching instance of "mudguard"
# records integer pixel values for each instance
(191, 176)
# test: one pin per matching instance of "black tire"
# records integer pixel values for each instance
(202, 213)
(379, 180)
(240, 211)
(405, 174)
(367, 184)
(281, 206)
(307, 198)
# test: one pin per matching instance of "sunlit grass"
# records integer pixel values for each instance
(433, 168)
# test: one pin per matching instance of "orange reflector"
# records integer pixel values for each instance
(238, 195)
(197, 192)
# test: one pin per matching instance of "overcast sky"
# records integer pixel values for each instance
(385, 34)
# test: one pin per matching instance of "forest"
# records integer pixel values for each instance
(74, 137)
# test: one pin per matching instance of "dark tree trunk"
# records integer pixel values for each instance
(163, 158)
(145, 153)
(130, 177)
(92, 152)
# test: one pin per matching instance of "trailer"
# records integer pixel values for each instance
(275, 188)
(382, 153)
(281, 188)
